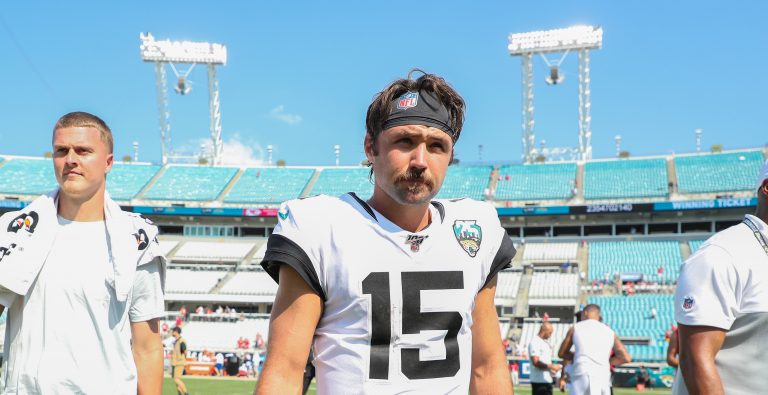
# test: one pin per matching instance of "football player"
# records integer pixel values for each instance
(396, 292)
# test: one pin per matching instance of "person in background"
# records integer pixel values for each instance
(178, 361)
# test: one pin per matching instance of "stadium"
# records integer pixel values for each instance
(586, 232)
(611, 231)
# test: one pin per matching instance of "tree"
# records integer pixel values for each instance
(280, 163)
(624, 154)
(540, 159)
(127, 158)
(455, 161)
(202, 161)
(716, 148)
(48, 154)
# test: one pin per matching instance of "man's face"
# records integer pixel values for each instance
(81, 161)
(546, 333)
(410, 162)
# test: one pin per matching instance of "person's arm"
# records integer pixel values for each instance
(672, 351)
(490, 374)
(698, 347)
(565, 346)
(148, 356)
(620, 354)
(295, 314)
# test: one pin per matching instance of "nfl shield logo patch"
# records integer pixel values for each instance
(469, 235)
(688, 303)
(408, 100)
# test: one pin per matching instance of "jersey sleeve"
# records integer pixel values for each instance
(707, 288)
(503, 251)
(292, 244)
(147, 301)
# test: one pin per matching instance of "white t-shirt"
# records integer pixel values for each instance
(593, 342)
(397, 314)
(541, 348)
(725, 285)
(70, 334)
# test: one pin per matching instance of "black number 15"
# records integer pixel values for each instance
(414, 321)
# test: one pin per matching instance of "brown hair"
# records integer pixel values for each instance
(380, 108)
(80, 119)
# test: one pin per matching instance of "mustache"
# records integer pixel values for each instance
(415, 175)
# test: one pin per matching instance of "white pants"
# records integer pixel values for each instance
(588, 384)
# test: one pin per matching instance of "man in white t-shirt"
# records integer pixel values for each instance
(593, 342)
(87, 320)
(721, 305)
(542, 368)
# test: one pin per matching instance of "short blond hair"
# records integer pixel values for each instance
(80, 119)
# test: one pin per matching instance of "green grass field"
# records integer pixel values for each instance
(224, 386)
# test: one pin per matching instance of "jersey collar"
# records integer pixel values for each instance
(761, 226)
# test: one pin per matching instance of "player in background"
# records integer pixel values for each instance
(673, 350)
(397, 291)
(721, 306)
(593, 342)
(82, 280)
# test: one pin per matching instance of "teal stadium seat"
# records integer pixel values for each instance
(466, 182)
(126, 180)
(630, 316)
(338, 181)
(695, 245)
(551, 181)
(190, 183)
(626, 178)
(269, 185)
(26, 176)
(726, 172)
(634, 257)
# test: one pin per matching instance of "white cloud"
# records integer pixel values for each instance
(282, 116)
(237, 153)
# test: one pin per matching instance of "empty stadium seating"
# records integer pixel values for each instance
(465, 181)
(626, 178)
(166, 246)
(190, 183)
(337, 181)
(550, 252)
(553, 289)
(24, 176)
(643, 257)
(630, 316)
(508, 284)
(221, 336)
(126, 180)
(191, 281)
(269, 185)
(531, 329)
(250, 283)
(695, 245)
(536, 182)
(725, 172)
(212, 251)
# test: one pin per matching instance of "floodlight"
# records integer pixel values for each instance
(554, 76)
(557, 40)
(181, 51)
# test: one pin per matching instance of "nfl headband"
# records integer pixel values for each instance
(419, 108)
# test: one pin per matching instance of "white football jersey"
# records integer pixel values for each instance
(397, 313)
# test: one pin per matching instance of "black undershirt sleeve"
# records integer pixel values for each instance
(503, 258)
(183, 347)
(282, 250)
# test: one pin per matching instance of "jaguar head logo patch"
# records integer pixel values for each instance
(469, 235)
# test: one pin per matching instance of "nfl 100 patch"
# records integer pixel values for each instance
(408, 100)
(469, 235)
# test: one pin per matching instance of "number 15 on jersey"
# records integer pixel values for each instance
(414, 321)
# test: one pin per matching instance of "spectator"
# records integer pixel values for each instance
(183, 313)
(653, 312)
(219, 363)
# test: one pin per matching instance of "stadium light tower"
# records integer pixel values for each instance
(185, 52)
(698, 140)
(575, 38)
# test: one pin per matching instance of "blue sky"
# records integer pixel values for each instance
(300, 75)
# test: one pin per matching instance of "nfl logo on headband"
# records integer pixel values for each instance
(408, 100)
